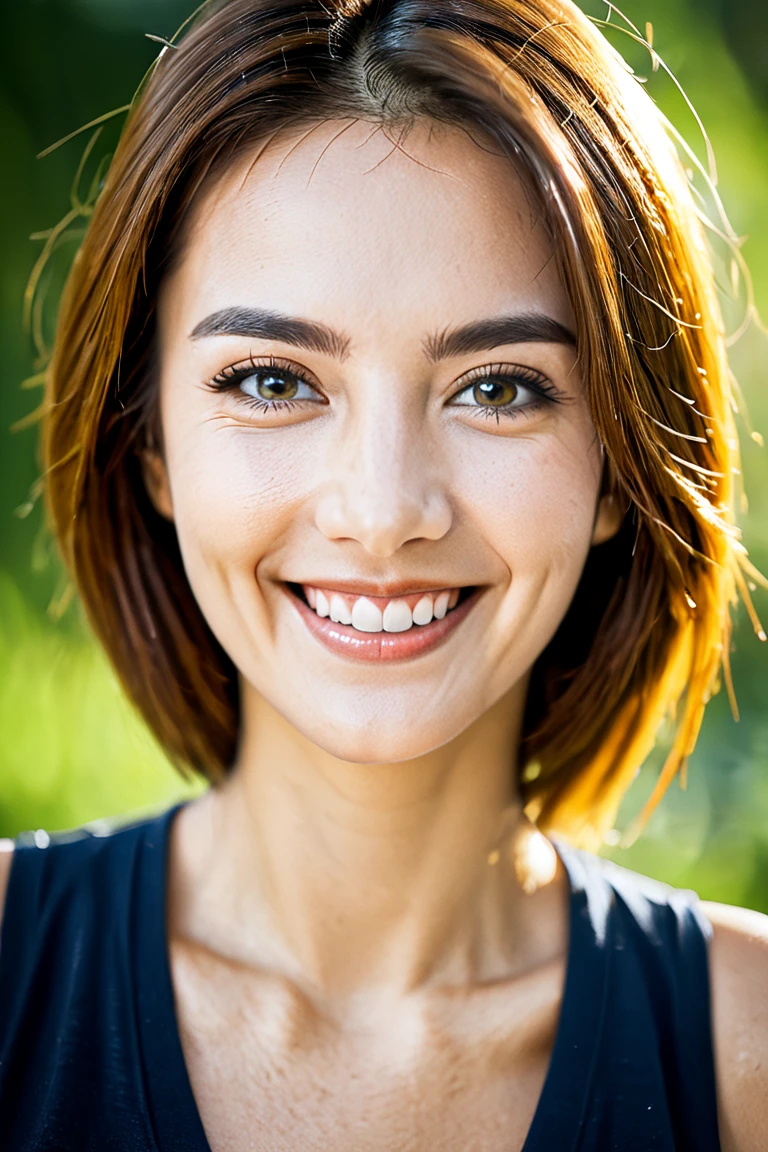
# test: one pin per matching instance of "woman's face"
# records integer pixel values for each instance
(372, 409)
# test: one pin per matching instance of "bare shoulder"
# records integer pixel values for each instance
(739, 978)
(6, 858)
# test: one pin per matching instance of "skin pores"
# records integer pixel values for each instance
(387, 466)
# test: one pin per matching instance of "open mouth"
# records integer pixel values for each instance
(382, 627)
(381, 613)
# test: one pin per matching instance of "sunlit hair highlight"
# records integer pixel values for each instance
(648, 632)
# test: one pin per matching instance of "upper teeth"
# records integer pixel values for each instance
(396, 615)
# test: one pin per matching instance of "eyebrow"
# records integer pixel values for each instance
(482, 335)
(259, 324)
(477, 336)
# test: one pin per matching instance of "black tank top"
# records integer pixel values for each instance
(90, 1055)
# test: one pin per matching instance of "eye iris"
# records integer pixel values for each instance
(494, 393)
(272, 385)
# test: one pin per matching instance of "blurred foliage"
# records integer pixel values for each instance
(71, 750)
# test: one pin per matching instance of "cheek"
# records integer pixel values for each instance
(532, 501)
(236, 493)
(535, 500)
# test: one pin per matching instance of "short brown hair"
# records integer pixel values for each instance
(649, 624)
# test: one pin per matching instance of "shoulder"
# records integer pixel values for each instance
(6, 859)
(82, 862)
(737, 964)
(739, 979)
(664, 920)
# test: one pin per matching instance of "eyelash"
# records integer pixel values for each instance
(545, 391)
(230, 379)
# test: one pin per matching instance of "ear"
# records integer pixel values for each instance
(155, 476)
(608, 520)
(610, 511)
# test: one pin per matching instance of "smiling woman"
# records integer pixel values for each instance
(381, 436)
(389, 444)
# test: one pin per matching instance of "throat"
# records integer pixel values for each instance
(347, 898)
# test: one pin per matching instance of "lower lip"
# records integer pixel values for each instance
(374, 647)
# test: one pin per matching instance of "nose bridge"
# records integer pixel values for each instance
(385, 487)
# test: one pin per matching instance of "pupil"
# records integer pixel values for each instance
(494, 392)
(276, 386)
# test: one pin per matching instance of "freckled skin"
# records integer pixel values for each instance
(350, 970)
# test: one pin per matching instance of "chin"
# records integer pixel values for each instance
(375, 741)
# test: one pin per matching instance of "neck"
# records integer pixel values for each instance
(346, 876)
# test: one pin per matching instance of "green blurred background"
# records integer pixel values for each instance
(70, 748)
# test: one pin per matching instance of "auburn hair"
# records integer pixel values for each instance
(648, 630)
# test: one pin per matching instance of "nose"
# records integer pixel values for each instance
(382, 483)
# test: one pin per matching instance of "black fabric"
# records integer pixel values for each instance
(90, 1055)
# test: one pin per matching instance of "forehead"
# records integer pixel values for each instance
(347, 215)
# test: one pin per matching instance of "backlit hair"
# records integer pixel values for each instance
(648, 630)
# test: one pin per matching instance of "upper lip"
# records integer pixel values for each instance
(379, 588)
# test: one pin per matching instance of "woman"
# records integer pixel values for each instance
(388, 441)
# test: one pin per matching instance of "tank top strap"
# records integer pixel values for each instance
(68, 1031)
(43, 881)
(646, 1023)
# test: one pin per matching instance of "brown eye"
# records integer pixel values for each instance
(495, 393)
(504, 390)
(267, 387)
(271, 384)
